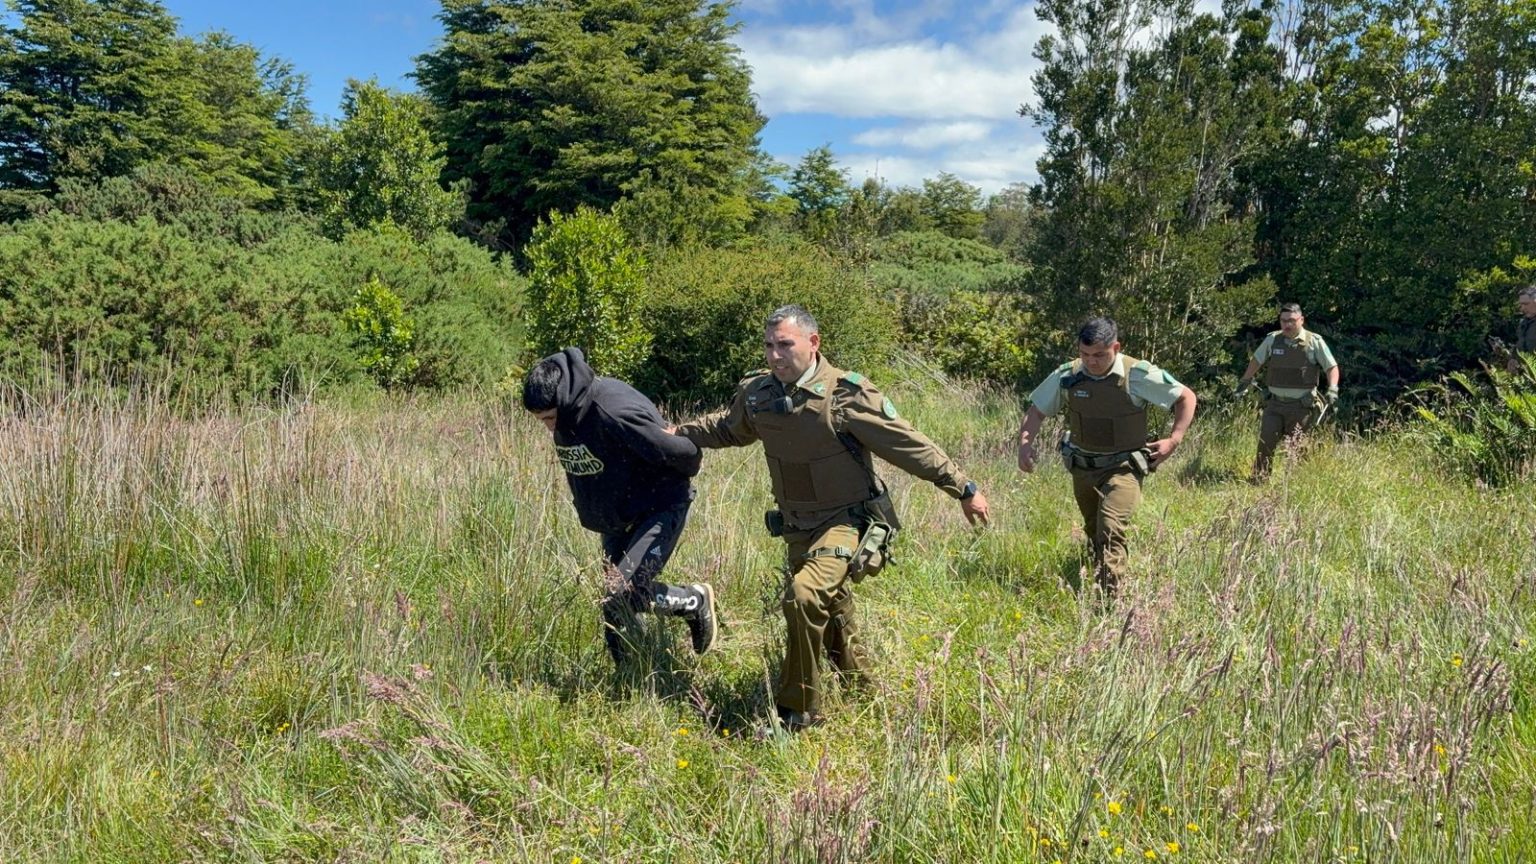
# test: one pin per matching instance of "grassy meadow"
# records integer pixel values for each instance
(368, 632)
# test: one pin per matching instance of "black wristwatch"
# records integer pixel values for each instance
(968, 491)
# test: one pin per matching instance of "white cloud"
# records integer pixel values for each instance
(832, 70)
(989, 165)
(927, 136)
(945, 103)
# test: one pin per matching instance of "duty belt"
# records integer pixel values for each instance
(1083, 461)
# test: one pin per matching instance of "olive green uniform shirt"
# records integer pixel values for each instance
(861, 411)
(1318, 354)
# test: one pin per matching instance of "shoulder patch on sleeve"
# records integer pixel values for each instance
(888, 408)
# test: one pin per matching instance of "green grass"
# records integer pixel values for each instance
(368, 632)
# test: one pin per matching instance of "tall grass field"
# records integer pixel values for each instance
(369, 632)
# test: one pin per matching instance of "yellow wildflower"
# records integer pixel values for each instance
(199, 602)
(1114, 808)
(1104, 833)
(1172, 846)
(1119, 850)
(1456, 660)
(1192, 828)
(682, 763)
(950, 779)
(1150, 855)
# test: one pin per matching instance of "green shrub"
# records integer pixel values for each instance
(708, 307)
(1483, 425)
(383, 333)
(249, 312)
(971, 334)
(585, 287)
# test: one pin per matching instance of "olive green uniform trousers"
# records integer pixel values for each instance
(1107, 497)
(818, 609)
(1281, 418)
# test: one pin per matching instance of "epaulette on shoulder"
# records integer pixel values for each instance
(853, 378)
(757, 375)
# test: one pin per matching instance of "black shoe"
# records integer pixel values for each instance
(795, 721)
(701, 624)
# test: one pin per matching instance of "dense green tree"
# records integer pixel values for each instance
(546, 105)
(78, 82)
(94, 88)
(1008, 220)
(1409, 172)
(380, 165)
(235, 118)
(820, 188)
(1145, 216)
(952, 206)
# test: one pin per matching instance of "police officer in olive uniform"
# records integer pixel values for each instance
(1297, 361)
(1107, 451)
(819, 426)
(1525, 328)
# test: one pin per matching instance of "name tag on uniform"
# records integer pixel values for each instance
(1277, 351)
(1080, 394)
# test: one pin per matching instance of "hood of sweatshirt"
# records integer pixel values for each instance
(574, 397)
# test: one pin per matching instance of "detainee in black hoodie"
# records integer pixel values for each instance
(630, 482)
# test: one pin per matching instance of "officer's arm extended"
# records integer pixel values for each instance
(872, 419)
(729, 428)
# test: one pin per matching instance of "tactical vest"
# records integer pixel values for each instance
(1289, 366)
(1100, 413)
(1525, 335)
(809, 465)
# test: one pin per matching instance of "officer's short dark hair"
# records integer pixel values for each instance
(793, 312)
(1098, 331)
(541, 386)
(1293, 308)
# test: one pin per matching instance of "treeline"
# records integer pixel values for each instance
(589, 172)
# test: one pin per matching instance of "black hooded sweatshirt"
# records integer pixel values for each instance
(618, 457)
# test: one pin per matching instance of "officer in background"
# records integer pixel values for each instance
(819, 426)
(1105, 395)
(1297, 361)
(1525, 328)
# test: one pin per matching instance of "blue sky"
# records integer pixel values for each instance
(901, 90)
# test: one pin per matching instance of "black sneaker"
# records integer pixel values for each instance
(701, 624)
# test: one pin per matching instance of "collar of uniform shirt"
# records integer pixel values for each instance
(1115, 368)
(809, 373)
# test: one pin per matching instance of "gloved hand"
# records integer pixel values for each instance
(1243, 388)
(1331, 396)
